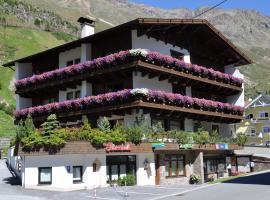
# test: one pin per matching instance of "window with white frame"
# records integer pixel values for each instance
(45, 175)
(263, 114)
(252, 132)
(72, 62)
(73, 95)
(266, 129)
(77, 174)
(249, 116)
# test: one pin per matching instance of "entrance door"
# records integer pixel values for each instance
(157, 164)
(120, 166)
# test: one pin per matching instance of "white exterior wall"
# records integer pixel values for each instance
(63, 180)
(63, 94)
(86, 50)
(238, 99)
(153, 83)
(22, 102)
(152, 44)
(86, 89)
(188, 123)
(23, 70)
(69, 55)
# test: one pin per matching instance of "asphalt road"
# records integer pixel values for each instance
(255, 187)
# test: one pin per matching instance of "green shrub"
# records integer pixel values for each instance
(181, 137)
(116, 135)
(214, 137)
(241, 139)
(50, 125)
(104, 125)
(128, 180)
(193, 179)
(202, 137)
(134, 134)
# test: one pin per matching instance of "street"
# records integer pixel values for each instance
(245, 188)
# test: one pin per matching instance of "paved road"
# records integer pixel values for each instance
(255, 187)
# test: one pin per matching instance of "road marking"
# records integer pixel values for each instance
(138, 192)
(101, 198)
(160, 187)
(180, 193)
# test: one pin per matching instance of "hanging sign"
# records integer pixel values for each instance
(110, 147)
(158, 145)
(222, 146)
(186, 146)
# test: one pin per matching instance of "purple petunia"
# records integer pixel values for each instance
(124, 57)
(154, 96)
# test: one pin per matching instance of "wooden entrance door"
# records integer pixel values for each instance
(157, 164)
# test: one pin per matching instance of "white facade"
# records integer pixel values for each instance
(238, 99)
(69, 55)
(150, 83)
(62, 169)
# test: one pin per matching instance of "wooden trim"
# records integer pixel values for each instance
(185, 75)
(131, 66)
(141, 104)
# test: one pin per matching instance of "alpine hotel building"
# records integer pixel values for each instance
(157, 57)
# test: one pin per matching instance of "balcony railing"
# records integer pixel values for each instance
(166, 67)
(200, 109)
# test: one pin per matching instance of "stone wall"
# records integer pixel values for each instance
(4, 142)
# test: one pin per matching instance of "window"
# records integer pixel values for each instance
(249, 116)
(174, 165)
(45, 175)
(253, 132)
(70, 62)
(263, 114)
(266, 129)
(176, 54)
(215, 128)
(77, 94)
(214, 165)
(73, 95)
(70, 96)
(77, 174)
(176, 125)
(77, 61)
(47, 101)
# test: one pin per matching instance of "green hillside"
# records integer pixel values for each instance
(15, 43)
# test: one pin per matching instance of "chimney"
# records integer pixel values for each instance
(87, 26)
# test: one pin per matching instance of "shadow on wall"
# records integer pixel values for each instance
(258, 179)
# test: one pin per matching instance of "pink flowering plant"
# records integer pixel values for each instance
(126, 96)
(123, 57)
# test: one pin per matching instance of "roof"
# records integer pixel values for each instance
(149, 23)
(260, 101)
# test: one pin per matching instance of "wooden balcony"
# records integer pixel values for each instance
(124, 71)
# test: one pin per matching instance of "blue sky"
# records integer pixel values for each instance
(261, 5)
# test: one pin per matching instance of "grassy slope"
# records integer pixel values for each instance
(16, 43)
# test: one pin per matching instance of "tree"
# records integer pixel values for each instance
(104, 125)
(50, 125)
(29, 125)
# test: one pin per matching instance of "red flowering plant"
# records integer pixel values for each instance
(123, 57)
(128, 95)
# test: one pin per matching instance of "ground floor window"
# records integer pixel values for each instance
(214, 166)
(77, 174)
(174, 165)
(45, 175)
(120, 166)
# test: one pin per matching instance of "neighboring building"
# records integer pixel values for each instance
(256, 122)
(190, 41)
